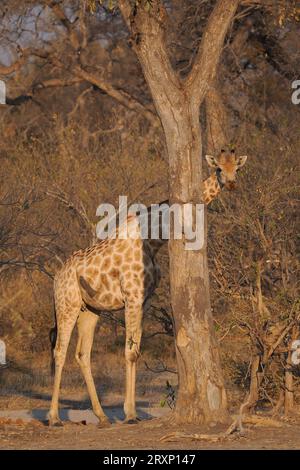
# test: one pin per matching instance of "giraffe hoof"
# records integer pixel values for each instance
(103, 423)
(131, 420)
(55, 423)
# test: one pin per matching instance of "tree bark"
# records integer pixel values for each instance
(201, 393)
(216, 121)
(255, 381)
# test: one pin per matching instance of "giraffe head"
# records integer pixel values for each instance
(226, 165)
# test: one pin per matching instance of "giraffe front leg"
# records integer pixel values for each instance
(86, 328)
(133, 320)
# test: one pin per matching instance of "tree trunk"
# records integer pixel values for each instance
(216, 120)
(255, 381)
(201, 392)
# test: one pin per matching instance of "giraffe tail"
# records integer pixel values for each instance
(52, 337)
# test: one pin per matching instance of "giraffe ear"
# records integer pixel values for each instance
(212, 161)
(240, 161)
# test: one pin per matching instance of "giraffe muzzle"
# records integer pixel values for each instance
(231, 185)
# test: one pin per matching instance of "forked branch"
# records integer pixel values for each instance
(210, 48)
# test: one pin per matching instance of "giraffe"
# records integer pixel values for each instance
(114, 274)
(226, 166)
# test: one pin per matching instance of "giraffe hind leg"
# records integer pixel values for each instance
(66, 319)
(86, 328)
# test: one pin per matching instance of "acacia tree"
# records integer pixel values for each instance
(201, 394)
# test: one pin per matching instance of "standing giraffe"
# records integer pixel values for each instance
(111, 275)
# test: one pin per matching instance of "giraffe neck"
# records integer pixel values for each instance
(211, 188)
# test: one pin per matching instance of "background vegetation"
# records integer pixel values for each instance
(68, 146)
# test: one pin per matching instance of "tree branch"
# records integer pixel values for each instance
(59, 12)
(56, 82)
(120, 95)
(60, 15)
(207, 58)
(24, 54)
(147, 30)
(79, 209)
(216, 120)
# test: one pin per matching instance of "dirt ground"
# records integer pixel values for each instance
(33, 391)
(144, 435)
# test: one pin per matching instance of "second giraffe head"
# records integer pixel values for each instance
(226, 165)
